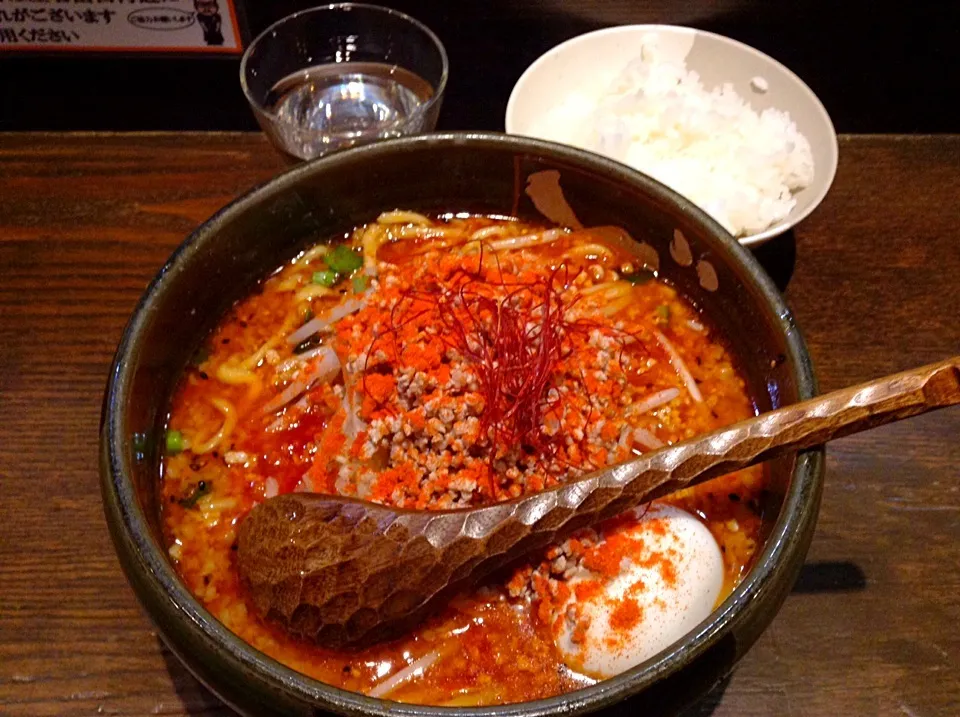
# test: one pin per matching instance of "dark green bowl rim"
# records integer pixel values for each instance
(133, 536)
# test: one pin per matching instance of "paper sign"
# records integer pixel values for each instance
(120, 25)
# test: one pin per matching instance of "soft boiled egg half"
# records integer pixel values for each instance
(669, 579)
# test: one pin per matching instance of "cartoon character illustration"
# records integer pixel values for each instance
(208, 15)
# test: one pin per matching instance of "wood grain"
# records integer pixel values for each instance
(85, 222)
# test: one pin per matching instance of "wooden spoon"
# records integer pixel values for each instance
(342, 571)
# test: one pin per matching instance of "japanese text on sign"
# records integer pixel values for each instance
(128, 25)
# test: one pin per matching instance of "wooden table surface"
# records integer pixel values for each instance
(873, 626)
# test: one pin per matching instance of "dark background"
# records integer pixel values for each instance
(878, 66)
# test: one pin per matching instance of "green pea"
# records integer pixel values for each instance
(175, 443)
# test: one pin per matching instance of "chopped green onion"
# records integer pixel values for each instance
(325, 278)
(343, 260)
(307, 315)
(201, 489)
(175, 442)
(662, 313)
(360, 284)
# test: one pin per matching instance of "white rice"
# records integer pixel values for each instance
(741, 167)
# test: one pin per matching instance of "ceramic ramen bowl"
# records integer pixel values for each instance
(484, 173)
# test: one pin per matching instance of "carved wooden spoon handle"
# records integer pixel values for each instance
(802, 425)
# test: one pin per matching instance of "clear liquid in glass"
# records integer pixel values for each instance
(341, 104)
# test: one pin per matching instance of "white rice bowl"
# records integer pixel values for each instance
(724, 125)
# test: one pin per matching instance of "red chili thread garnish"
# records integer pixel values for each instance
(515, 334)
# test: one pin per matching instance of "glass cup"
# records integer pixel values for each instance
(341, 75)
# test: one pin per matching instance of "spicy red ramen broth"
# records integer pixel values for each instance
(446, 363)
